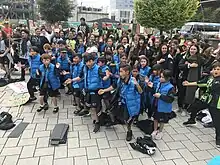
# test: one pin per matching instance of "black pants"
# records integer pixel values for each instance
(195, 107)
(23, 62)
(215, 113)
(181, 93)
(31, 84)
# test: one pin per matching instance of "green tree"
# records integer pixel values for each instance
(164, 14)
(55, 10)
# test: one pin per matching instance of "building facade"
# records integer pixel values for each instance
(122, 10)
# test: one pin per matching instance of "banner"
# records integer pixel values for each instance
(19, 87)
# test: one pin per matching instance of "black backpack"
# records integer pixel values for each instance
(6, 122)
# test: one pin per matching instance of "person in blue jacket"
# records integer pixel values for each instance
(155, 79)
(64, 62)
(120, 50)
(162, 103)
(144, 68)
(77, 86)
(34, 61)
(92, 76)
(49, 82)
(130, 96)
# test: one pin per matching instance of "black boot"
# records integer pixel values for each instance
(129, 136)
(97, 127)
(56, 109)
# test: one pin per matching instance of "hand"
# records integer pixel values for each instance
(186, 62)
(150, 84)
(146, 79)
(193, 65)
(57, 65)
(68, 81)
(52, 58)
(135, 81)
(185, 83)
(108, 73)
(64, 72)
(157, 95)
(101, 92)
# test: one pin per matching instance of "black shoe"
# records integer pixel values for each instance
(218, 143)
(69, 92)
(40, 109)
(22, 79)
(56, 109)
(83, 113)
(35, 90)
(208, 125)
(96, 128)
(46, 107)
(189, 122)
(109, 124)
(129, 136)
(32, 99)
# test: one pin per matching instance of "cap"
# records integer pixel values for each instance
(92, 49)
(63, 50)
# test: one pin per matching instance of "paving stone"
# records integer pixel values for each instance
(88, 143)
(103, 143)
(114, 161)
(202, 155)
(81, 160)
(132, 162)
(157, 156)
(117, 143)
(172, 154)
(190, 145)
(27, 134)
(42, 134)
(161, 145)
(43, 142)
(27, 152)
(175, 145)
(205, 138)
(108, 152)
(187, 155)
(12, 142)
(179, 137)
(41, 127)
(198, 163)
(27, 142)
(80, 128)
(2, 158)
(3, 141)
(28, 161)
(124, 153)
(97, 135)
(11, 151)
(44, 151)
(60, 152)
(73, 143)
(84, 135)
(102, 161)
(73, 134)
(92, 152)
(214, 152)
(76, 152)
(111, 135)
(167, 138)
(66, 161)
(46, 160)
(148, 161)
(204, 146)
(180, 162)
(207, 131)
(183, 130)
(137, 155)
(11, 160)
(193, 138)
(165, 162)
(170, 130)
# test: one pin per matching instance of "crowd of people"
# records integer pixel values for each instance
(118, 73)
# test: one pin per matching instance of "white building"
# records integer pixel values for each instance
(122, 10)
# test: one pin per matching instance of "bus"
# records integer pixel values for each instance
(211, 30)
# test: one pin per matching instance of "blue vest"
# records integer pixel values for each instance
(106, 83)
(155, 80)
(34, 62)
(116, 58)
(81, 49)
(64, 63)
(130, 97)
(145, 71)
(75, 72)
(102, 47)
(92, 80)
(53, 79)
(163, 89)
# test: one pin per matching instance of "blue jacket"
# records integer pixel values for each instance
(106, 83)
(116, 58)
(34, 63)
(92, 79)
(145, 71)
(130, 97)
(52, 77)
(75, 72)
(81, 49)
(163, 89)
(64, 63)
(155, 80)
(102, 47)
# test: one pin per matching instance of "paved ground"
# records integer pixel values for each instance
(179, 146)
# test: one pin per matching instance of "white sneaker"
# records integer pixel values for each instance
(159, 136)
(153, 135)
(183, 114)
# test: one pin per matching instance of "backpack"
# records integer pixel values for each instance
(6, 122)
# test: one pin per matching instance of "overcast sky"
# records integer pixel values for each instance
(94, 3)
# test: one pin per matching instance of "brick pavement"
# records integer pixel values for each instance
(179, 146)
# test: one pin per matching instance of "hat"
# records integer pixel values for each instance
(92, 49)
(63, 50)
